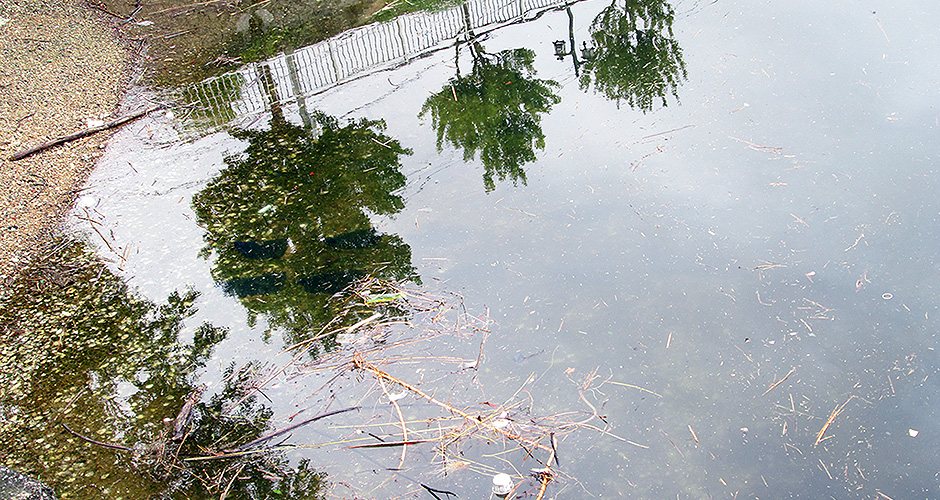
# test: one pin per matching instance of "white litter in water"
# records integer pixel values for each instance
(87, 202)
(913, 433)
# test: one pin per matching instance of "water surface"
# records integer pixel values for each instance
(714, 234)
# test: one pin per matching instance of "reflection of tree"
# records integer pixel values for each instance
(78, 347)
(495, 110)
(635, 58)
(288, 219)
(231, 418)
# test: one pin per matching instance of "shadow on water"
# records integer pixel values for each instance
(84, 358)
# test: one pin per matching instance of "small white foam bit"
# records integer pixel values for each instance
(913, 433)
(87, 202)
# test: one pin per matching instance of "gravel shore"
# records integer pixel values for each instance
(62, 67)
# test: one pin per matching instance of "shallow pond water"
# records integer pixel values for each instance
(704, 251)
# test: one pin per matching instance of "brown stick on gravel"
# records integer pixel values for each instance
(84, 133)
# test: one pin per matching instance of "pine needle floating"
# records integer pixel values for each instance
(835, 413)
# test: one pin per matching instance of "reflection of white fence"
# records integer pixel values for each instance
(320, 66)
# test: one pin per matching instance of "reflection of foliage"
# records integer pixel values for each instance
(216, 426)
(78, 347)
(287, 219)
(494, 110)
(395, 9)
(635, 58)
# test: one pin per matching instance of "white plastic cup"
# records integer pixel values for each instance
(502, 485)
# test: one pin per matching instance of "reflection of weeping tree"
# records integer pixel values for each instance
(287, 218)
(635, 58)
(495, 110)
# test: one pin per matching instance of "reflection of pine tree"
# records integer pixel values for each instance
(288, 222)
(495, 110)
(635, 60)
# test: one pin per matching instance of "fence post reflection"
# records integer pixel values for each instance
(234, 98)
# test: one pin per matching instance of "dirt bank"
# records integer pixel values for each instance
(61, 66)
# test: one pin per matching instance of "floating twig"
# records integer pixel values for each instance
(99, 443)
(292, 427)
(633, 387)
(389, 444)
(434, 492)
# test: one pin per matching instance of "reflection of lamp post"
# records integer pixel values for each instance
(587, 53)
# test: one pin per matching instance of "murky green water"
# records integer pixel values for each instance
(705, 247)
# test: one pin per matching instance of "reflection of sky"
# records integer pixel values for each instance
(624, 240)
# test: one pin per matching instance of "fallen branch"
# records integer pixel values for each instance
(84, 133)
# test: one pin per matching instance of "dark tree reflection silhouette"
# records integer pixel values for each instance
(81, 350)
(288, 223)
(494, 111)
(635, 58)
